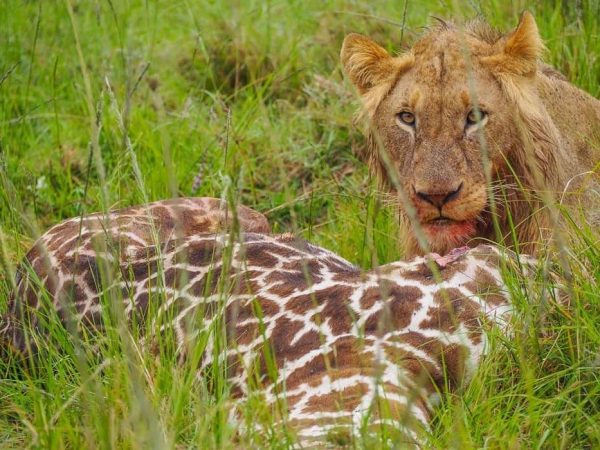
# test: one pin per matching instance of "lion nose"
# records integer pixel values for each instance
(439, 199)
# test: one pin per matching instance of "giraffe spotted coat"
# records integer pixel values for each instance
(352, 350)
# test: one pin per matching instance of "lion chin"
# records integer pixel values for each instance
(445, 234)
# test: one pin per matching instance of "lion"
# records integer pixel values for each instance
(470, 124)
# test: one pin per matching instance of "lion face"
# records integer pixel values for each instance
(442, 124)
(443, 127)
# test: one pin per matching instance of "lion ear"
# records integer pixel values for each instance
(366, 63)
(520, 51)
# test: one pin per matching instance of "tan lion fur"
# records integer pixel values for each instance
(539, 139)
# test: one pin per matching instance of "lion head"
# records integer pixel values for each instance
(456, 122)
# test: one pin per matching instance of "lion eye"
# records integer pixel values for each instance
(475, 116)
(406, 118)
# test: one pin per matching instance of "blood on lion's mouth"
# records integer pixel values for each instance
(455, 229)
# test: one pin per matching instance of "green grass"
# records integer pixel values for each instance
(112, 103)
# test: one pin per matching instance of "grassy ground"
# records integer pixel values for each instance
(112, 103)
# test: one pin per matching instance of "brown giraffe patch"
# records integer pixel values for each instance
(453, 309)
(346, 399)
(397, 311)
(337, 313)
(486, 286)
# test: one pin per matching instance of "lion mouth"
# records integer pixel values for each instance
(441, 221)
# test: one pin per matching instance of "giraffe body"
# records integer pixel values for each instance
(352, 349)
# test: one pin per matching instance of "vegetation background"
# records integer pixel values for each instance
(109, 103)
